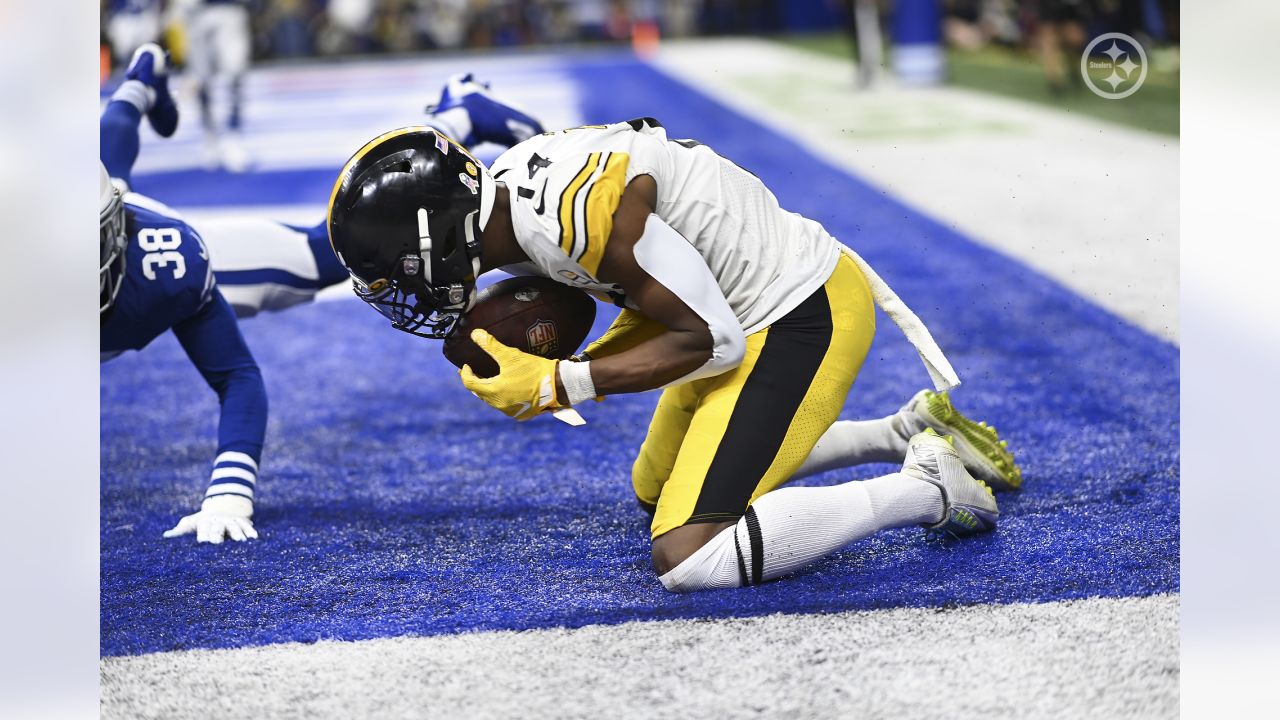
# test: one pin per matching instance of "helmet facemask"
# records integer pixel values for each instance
(112, 240)
(414, 306)
(409, 298)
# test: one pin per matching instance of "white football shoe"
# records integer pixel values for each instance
(211, 153)
(968, 505)
(233, 153)
(984, 454)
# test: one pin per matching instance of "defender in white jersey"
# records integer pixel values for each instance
(754, 320)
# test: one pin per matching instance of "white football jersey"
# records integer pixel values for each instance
(565, 187)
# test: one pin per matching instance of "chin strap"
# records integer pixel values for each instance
(940, 370)
(475, 273)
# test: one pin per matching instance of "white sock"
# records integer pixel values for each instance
(454, 122)
(854, 442)
(790, 528)
(136, 94)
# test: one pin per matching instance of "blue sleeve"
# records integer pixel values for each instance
(213, 341)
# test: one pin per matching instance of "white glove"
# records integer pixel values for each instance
(218, 517)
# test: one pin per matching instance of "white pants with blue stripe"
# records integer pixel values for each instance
(262, 265)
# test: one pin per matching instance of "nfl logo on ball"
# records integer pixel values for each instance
(542, 338)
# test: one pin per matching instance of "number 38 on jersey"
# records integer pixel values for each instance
(161, 248)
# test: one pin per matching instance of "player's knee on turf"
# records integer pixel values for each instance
(704, 557)
(678, 545)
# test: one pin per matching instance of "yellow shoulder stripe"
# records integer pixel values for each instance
(567, 230)
(602, 201)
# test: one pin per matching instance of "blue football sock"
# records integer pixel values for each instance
(233, 121)
(118, 138)
(206, 107)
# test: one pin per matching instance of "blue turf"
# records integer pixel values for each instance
(393, 502)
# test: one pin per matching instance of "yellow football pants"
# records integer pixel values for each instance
(717, 444)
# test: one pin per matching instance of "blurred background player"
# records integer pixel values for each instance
(130, 24)
(862, 22)
(1060, 37)
(219, 46)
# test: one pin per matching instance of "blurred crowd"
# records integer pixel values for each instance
(291, 28)
(1057, 31)
(302, 28)
(970, 24)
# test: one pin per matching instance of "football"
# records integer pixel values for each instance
(533, 314)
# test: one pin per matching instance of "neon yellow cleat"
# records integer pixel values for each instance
(984, 454)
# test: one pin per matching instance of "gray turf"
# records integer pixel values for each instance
(1107, 658)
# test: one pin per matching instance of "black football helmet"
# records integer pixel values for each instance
(112, 240)
(405, 219)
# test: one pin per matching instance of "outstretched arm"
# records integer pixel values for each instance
(213, 341)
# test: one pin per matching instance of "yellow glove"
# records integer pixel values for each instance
(524, 386)
(628, 330)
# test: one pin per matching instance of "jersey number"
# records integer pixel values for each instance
(161, 248)
(536, 163)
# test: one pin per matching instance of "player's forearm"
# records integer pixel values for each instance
(242, 423)
(213, 341)
(652, 364)
(630, 329)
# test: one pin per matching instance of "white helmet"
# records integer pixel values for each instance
(111, 242)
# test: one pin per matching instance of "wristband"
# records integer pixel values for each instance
(576, 378)
(233, 505)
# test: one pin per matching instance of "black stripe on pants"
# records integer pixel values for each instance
(792, 353)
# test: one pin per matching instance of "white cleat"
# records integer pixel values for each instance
(212, 156)
(968, 505)
(233, 154)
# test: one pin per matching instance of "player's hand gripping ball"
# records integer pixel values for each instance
(524, 386)
(534, 315)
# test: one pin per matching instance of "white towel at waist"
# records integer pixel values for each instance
(940, 370)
